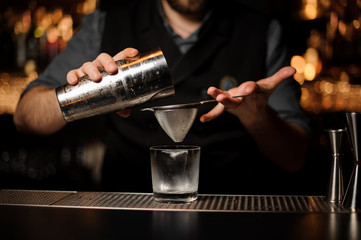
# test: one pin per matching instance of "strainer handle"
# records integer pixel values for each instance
(238, 96)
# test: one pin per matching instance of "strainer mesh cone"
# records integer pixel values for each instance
(176, 122)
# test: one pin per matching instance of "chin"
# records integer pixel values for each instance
(189, 7)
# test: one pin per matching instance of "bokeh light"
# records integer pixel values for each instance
(310, 72)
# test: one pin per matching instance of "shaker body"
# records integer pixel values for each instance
(137, 81)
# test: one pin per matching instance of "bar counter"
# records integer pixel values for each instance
(32, 214)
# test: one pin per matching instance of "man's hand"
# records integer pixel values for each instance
(38, 110)
(250, 105)
(102, 62)
(281, 142)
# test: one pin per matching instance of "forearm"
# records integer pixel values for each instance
(38, 112)
(283, 143)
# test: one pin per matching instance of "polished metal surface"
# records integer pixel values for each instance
(352, 199)
(353, 124)
(176, 122)
(336, 190)
(31, 197)
(144, 201)
(352, 196)
(190, 105)
(138, 81)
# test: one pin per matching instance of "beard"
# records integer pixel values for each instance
(189, 7)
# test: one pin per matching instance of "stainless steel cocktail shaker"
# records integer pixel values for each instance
(138, 81)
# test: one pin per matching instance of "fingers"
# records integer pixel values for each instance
(92, 69)
(214, 92)
(270, 83)
(126, 53)
(249, 87)
(106, 62)
(214, 113)
(102, 62)
(72, 77)
(286, 72)
(224, 97)
(229, 102)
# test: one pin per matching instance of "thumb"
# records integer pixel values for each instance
(273, 81)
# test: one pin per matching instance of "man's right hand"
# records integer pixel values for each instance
(38, 110)
(103, 62)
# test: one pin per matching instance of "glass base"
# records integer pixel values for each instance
(175, 197)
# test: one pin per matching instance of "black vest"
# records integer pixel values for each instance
(231, 44)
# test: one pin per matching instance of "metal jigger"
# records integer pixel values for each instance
(336, 188)
(352, 196)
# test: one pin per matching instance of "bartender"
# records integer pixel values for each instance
(214, 49)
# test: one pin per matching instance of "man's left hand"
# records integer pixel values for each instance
(246, 106)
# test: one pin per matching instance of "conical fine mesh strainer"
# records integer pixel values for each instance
(176, 120)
